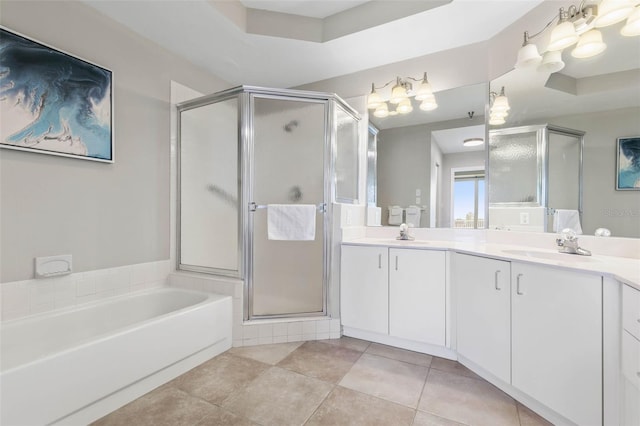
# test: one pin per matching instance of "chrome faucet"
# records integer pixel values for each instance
(568, 243)
(404, 233)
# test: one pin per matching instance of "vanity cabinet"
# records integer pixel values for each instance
(556, 339)
(539, 329)
(417, 298)
(398, 293)
(483, 294)
(631, 355)
(364, 288)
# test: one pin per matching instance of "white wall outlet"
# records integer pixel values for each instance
(418, 192)
(349, 217)
(524, 218)
(52, 266)
(418, 200)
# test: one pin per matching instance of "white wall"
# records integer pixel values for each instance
(105, 215)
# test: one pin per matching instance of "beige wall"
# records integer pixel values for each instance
(105, 215)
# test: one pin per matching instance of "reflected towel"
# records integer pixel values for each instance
(566, 219)
(294, 222)
(395, 215)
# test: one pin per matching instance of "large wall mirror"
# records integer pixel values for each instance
(419, 170)
(599, 97)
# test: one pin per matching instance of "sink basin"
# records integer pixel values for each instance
(393, 241)
(545, 255)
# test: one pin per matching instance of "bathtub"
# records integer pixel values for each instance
(75, 365)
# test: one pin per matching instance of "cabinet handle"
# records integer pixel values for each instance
(518, 285)
(495, 280)
(380, 261)
(396, 263)
(638, 320)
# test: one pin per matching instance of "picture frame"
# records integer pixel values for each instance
(628, 164)
(52, 102)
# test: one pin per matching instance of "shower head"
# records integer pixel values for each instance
(290, 126)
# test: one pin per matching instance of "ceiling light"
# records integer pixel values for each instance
(374, 100)
(613, 11)
(496, 121)
(589, 45)
(564, 34)
(424, 89)
(381, 111)
(551, 62)
(404, 107)
(473, 142)
(528, 55)
(398, 92)
(632, 27)
(401, 94)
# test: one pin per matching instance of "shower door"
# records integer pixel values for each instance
(288, 153)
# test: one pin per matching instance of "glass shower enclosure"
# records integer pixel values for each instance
(533, 170)
(240, 151)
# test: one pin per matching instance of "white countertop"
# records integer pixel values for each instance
(623, 269)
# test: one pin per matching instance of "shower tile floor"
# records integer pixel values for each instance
(344, 381)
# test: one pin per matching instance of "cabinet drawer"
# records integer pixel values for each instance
(631, 358)
(631, 310)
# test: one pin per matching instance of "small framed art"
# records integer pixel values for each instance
(628, 164)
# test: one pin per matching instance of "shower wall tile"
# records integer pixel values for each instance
(24, 298)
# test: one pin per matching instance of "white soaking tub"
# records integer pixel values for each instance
(76, 365)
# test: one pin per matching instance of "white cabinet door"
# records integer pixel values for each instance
(483, 312)
(364, 290)
(557, 340)
(417, 298)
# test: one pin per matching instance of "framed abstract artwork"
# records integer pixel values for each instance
(628, 164)
(52, 102)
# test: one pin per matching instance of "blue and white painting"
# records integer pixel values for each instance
(628, 164)
(51, 102)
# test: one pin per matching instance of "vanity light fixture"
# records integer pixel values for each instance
(578, 24)
(499, 109)
(401, 94)
(473, 142)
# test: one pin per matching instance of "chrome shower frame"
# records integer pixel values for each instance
(246, 96)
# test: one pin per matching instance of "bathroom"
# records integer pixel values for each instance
(119, 220)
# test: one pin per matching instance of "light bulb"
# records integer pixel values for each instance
(398, 93)
(612, 11)
(404, 107)
(429, 103)
(528, 55)
(590, 44)
(381, 111)
(500, 104)
(424, 89)
(496, 121)
(374, 100)
(562, 36)
(551, 62)
(632, 27)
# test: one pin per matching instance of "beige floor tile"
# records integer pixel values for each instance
(529, 418)
(349, 342)
(350, 408)
(399, 354)
(269, 354)
(166, 406)
(386, 378)
(454, 367)
(467, 400)
(222, 417)
(279, 397)
(325, 362)
(428, 419)
(218, 378)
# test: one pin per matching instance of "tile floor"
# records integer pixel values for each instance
(331, 382)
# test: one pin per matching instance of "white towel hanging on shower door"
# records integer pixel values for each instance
(293, 222)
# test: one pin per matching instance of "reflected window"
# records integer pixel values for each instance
(468, 199)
